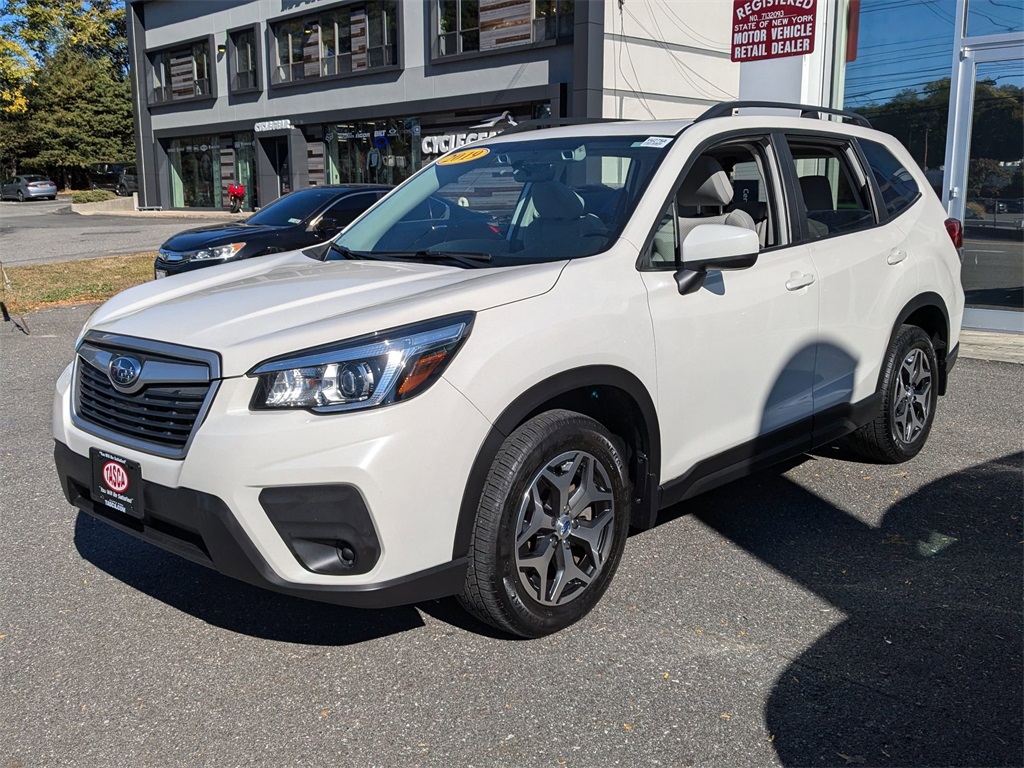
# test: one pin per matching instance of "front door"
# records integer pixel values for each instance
(736, 357)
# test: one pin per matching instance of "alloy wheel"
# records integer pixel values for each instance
(911, 400)
(564, 531)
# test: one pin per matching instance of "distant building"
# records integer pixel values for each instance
(282, 94)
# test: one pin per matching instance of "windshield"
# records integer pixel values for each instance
(511, 203)
(294, 208)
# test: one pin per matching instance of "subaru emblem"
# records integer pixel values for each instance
(124, 371)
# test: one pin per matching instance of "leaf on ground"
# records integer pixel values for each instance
(725, 716)
(851, 759)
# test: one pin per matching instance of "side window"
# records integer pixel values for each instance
(898, 188)
(831, 200)
(344, 211)
(729, 184)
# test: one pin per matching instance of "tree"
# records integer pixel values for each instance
(64, 95)
(82, 114)
(17, 69)
(96, 28)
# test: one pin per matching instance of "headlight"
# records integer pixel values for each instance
(362, 373)
(217, 252)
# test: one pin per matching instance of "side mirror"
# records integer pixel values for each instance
(715, 247)
(327, 224)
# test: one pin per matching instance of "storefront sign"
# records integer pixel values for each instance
(273, 125)
(772, 29)
(436, 145)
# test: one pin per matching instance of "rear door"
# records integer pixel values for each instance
(863, 270)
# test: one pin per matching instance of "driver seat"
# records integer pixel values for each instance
(560, 223)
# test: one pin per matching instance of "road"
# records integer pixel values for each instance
(41, 231)
(832, 613)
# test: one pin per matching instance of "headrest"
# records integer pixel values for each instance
(707, 183)
(817, 193)
(554, 200)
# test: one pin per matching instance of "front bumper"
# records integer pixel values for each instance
(201, 528)
(270, 497)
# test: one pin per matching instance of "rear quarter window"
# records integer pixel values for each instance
(898, 187)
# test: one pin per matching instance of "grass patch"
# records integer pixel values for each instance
(74, 282)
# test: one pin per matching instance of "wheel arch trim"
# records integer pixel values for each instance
(924, 301)
(532, 401)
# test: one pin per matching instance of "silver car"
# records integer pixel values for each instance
(24, 188)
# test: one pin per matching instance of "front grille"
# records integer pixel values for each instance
(160, 409)
(162, 414)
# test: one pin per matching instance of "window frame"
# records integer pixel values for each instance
(775, 172)
(434, 21)
(308, 20)
(257, 54)
(166, 51)
(848, 150)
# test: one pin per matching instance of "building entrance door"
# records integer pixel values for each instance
(984, 171)
(278, 153)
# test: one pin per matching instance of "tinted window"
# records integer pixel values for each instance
(344, 211)
(294, 208)
(899, 190)
(34, 178)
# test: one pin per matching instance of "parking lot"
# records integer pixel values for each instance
(826, 613)
(41, 231)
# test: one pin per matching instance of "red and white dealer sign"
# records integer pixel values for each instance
(772, 29)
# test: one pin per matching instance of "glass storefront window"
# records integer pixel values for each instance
(994, 17)
(336, 42)
(195, 172)
(993, 270)
(372, 152)
(243, 69)
(900, 77)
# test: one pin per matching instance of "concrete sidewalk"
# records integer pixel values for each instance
(995, 346)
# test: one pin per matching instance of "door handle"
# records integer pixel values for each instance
(896, 255)
(797, 281)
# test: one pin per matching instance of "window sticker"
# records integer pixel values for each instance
(656, 141)
(465, 156)
(294, 221)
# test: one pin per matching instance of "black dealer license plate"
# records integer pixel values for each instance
(116, 483)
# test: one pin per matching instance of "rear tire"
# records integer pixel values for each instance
(910, 389)
(21, 196)
(550, 528)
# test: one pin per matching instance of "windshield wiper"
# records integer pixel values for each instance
(346, 253)
(465, 258)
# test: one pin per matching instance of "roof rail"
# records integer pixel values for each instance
(806, 110)
(555, 122)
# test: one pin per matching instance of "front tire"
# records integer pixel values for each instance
(910, 389)
(551, 526)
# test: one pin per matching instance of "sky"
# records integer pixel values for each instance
(907, 43)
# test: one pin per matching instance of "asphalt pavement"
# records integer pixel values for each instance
(828, 613)
(40, 231)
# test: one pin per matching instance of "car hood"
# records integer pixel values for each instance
(215, 234)
(256, 309)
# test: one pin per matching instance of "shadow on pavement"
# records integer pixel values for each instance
(927, 668)
(227, 602)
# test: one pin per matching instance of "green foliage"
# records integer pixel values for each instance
(82, 114)
(96, 28)
(92, 196)
(65, 98)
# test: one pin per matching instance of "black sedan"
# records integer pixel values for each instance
(297, 220)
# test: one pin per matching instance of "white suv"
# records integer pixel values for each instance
(531, 345)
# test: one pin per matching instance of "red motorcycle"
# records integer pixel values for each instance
(236, 194)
